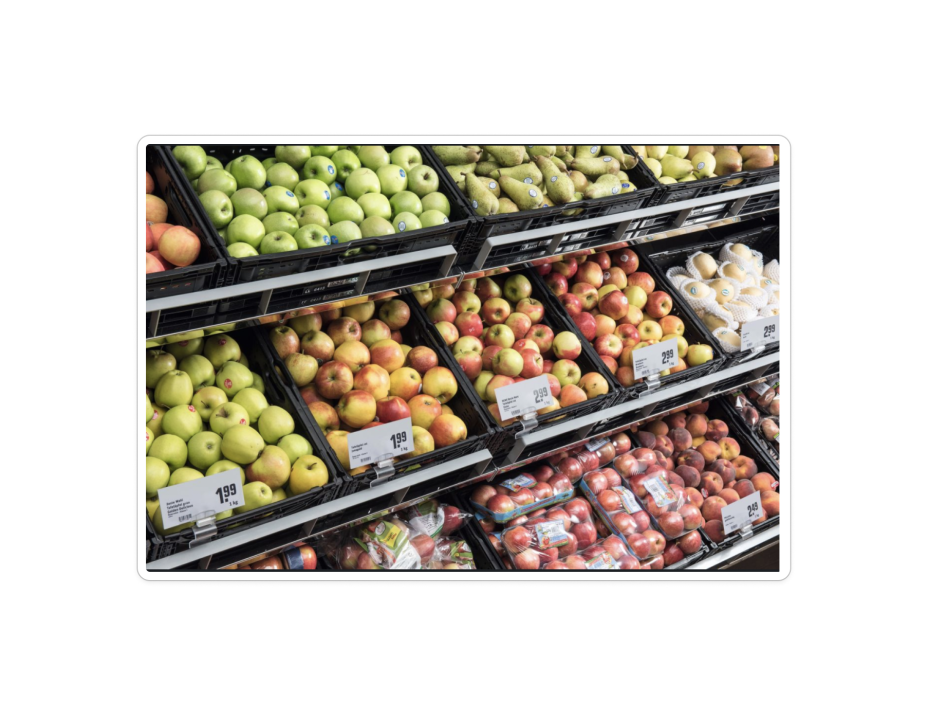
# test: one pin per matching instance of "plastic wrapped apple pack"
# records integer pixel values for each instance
(622, 514)
(299, 557)
(521, 494)
(759, 407)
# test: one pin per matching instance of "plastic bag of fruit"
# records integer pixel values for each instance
(433, 518)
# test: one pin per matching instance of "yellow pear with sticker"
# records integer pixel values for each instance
(484, 202)
(724, 290)
(506, 155)
(521, 172)
(594, 167)
(558, 185)
(524, 195)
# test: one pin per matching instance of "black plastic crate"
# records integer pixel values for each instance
(761, 234)
(764, 202)
(263, 360)
(262, 267)
(480, 430)
(483, 228)
(676, 192)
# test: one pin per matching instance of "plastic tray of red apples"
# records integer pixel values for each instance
(619, 308)
(352, 371)
(704, 449)
(504, 329)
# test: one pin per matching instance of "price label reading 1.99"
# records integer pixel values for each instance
(524, 397)
(761, 331)
(654, 359)
(382, 442)
(201, 498)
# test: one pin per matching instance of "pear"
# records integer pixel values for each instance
(547, 202)
(457, 172)
(558, 185)
(703, 164)
(641, 150)
(679, 151)
(566, 158)
(604, 186)
(540, 150)
(559, 163)
(614, 150)
(456, 154)
(576, 198)
(562, 150)
(627, 162)
(687, 178)
(580, 181)
(666, 180)
(695, 149)
(676, 167)
(656, 151)
(594, 167)
(507, 155)
(491, 184)
(481, 199)
(524, 195)
(521, 172)
(507, 206)
(588, 151)
(727, 161)
(757, 156)
(628, 187)
(487, 168)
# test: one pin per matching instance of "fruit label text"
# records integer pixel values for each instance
(522, 398)
(201, 498)
(659, 490)
(627, 500)
(761, 331)
(551, 534)
(517, 483)
(654, 359)
(382, 442)
(742, 513)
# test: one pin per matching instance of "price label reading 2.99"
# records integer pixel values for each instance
(382, 442)
(761, 331)
(654, 359)
(524, 397)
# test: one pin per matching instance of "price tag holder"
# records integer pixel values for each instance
(380, 443)
(654, 359)
(741, 513)
(761, 331)
(525, 397)
(201, 498)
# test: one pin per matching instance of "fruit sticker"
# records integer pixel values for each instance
(402, 173)
(700, 166)
(290, 194)
(228, 383)
(627, 500)
(492, 186)
(331, 170)
(474, 203)
(607, 159)
(327, 196)
(401, 226)
(659, 490)
(551, 534)
(528, 181)
(594, 149)
(615, 190)
(533, 192)
(554, 178)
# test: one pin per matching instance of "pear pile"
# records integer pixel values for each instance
(684, 163)
(500, 179)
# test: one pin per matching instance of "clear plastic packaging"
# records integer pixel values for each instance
(521, 494)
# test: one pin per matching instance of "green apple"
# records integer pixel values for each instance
(232, 377)
(320, 167)
(184, 474)
(219, 349)
(203, 449)
(406, 202)
(344, 208)
(272, 467)
(155, 423)
(274, 423)
(157, 363)
(174, 388)
(253, 402)
(149, 411)
(293, 155)
(267, 163)
(240, 444)
(224, 465)
(327, 150)
(406, 156)
(282, 222)
(248, 172)
(336, 189)
(185, 348)
(361, 182)
(248, 201)
(183, 421)
(423, 180)
(283, 175)
(280, 199)
(157, 475)
(436, 201)
(192, 158)
(171, 449)
(221, 232)
(200, 370)
(217, 180)
(344, 231)
(312, 215)
(295, 446)
(208, 399)
(213, 163)
(278, 495)
(431, 218)
(373, 156)
(245, 229)
(258, 382)
(376, 205)
(219, 208)
(149, 439)
(241, 250)
(277, 242)
(244, 361)
(181, 337)
(346, 162)
(310, 236)
(393, 179)
(151, 504)
(256, 495)
(406, 221)
(375, 227)
(308, 472)
(313, 192)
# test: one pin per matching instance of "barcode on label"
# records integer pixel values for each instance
(184, 518)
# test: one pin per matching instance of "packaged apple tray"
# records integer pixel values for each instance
(720, 409)
(263, 359)
(505, 437)
(262, 267)
(758, 409)
(483, 228)
(760, 234)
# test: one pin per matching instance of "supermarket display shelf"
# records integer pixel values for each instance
(739, 549)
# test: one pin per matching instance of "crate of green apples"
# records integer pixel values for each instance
(286, 209)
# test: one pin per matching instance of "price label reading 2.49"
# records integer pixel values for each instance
(741, 513)
(761, 331)
(524, 397)
(654, 359)
(380, 443)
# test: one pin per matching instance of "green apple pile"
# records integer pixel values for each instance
(311, 196)
(684, 163)
(206, 412)
(499, 179)
(355, 372)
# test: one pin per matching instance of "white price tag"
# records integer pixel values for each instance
(380, 443)
(741, 513)
(524, 397)
(654, 359)
(201, 498)
(761, 331)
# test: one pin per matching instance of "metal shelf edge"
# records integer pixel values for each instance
(739, 548)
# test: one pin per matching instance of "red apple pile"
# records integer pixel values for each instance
(498, 338)
(354, 372)
(166, 246)
(618, 309)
